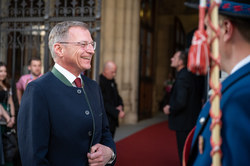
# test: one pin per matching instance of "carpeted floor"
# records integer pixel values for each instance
(152, 146)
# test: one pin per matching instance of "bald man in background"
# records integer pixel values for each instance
(112, 100)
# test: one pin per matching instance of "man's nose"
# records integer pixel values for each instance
(90, 50)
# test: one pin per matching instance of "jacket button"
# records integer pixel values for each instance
(87, 112)
(90, 133)
(79, 91)
(202, 120)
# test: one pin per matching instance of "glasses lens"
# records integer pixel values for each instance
(93, 45)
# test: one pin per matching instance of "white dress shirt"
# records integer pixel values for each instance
(242, 63)
(70, 77)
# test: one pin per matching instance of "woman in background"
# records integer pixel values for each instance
(7, 110)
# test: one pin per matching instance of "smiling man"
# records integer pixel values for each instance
(62, 120)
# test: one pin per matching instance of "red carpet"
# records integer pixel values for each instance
(152, 146)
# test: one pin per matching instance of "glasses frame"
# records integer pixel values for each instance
(83, 44)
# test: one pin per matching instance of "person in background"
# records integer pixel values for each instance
(62, 120)
(7, 111)
(167, 91)
(35, 72)
(185, 101)
(112, 100)
(234, 49)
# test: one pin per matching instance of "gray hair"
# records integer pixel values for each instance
(60, 32)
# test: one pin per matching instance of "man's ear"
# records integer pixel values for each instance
(58, 49)
(227, 30)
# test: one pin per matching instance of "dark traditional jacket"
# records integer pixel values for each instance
(58, 123)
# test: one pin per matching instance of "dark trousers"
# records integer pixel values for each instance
(181, 138)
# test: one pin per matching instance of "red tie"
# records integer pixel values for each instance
(78, 82)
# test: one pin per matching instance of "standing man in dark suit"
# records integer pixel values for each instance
(62, 120)
(112, 100)
(234, 48)
(185, 101)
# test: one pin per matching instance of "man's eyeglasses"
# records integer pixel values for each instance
(83, 44)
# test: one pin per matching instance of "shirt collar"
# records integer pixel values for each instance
(70, 77)
(241, 64)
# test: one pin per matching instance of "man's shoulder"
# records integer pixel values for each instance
(46, 78)
(25, 77)
(240, 77)
(88, 81)
(185, 73)
(47, 83)
(102, 78)
(21, 83)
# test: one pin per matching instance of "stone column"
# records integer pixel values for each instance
(120, 43)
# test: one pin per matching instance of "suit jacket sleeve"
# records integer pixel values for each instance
(179, 97)
(108, 101)
(120, 100)
(33, 127)
(106, 135)
(110, 109)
